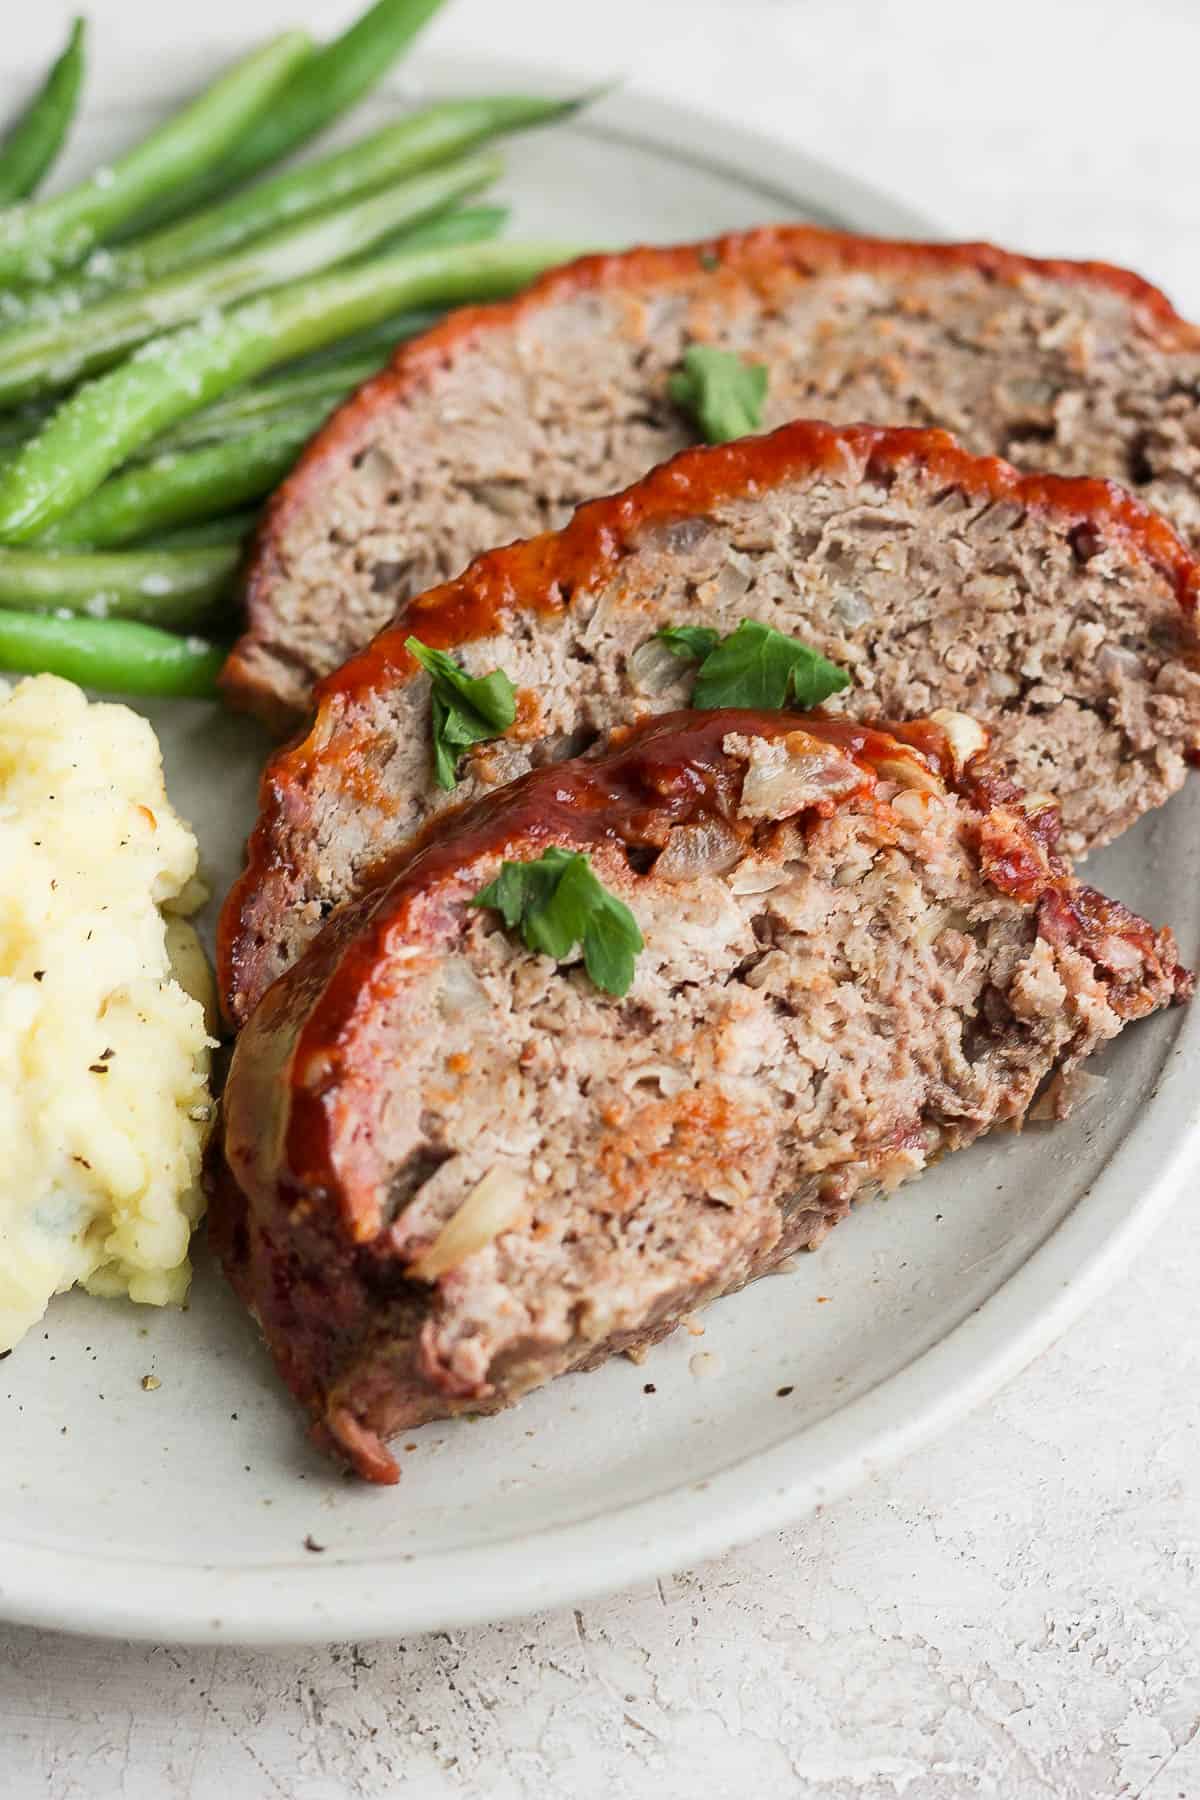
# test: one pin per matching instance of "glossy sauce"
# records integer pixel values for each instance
(804, 251)
(540, 574)
(669, 771)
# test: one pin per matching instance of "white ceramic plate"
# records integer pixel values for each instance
(183, 1513)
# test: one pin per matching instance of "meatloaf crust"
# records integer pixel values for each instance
(1062, 612)
(500, 420)
(454, 1168)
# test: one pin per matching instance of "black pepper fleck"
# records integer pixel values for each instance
(310, 1543)
(783, 1392)
(649, 1388)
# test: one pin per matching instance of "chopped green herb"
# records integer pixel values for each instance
(467, 709)
(709, 259)
(690, 643)
(758, 666)
(723, 394)
(556, 903)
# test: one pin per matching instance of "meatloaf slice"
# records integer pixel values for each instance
(1062, 612)
(502, 419)
(454, 1168)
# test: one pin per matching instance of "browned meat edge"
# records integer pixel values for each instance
(1061, 612)
(499, 421)
(860, 953)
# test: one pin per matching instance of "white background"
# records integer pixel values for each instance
(1017, 1611)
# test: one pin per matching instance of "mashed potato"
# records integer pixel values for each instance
(104, 1058)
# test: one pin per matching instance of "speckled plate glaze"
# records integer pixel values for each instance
(196, 1511)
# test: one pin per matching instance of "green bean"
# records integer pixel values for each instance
(41, 357)
(45, 235)
(469, 225)
(466, 225)
(177, 490)
(176, 588)
(269, 402)
(232, 528)
(331, 82)
(336, 78)
(117, 656)
(16, 426)
(106, 421)
(375, 345)
(331, 373)
(435, 135)
(34, 142)
(330, 377)
(267, 405)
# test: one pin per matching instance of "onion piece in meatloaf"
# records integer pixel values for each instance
(1061, 613)
(500, 420)
(454, 1168)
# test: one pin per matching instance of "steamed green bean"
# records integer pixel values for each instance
(118, 656)
(107, 420)
(333, 79)
(266, 405)
(435, 135)
(45, 235)
(176, 490)
(230, 528)
(53, 354)
(177, 588)
(29, 150)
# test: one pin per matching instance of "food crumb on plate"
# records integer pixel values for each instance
(150, 1383)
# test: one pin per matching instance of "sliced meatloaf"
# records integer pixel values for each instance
(502, 419)
(453, 1167)
(1062, 612)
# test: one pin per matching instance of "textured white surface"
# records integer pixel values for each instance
(1017, 1611)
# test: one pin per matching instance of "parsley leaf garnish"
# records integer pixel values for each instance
(690, 643)
(467, 709)
(723, 394)
(755, 666)
(758, 666)
(556, 903)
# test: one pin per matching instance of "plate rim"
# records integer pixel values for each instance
(297, 1601)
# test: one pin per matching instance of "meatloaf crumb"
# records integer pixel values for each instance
(501, 420)
(454, 1168)
(1062, 613)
